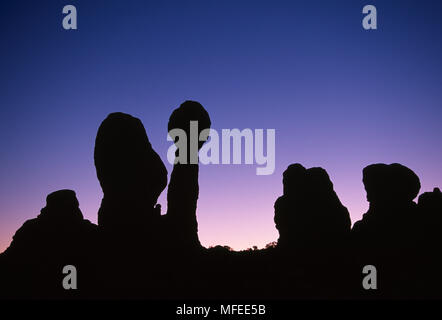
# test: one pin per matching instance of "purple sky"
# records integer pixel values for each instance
(338, 96)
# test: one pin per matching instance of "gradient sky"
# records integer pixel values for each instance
(338, 96)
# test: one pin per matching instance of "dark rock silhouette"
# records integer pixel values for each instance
(430, 204)
(132, 177)
(131, 174)
(313, 228)
(40, 249)
(135, 252)
(61, 219)
(389, 185)
(310, 214)
(390, 192)
(389, 233)
(430, 264)
(183, 190)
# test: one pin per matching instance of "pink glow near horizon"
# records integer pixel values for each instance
(225, 216)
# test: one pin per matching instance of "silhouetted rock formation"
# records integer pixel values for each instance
(131, 174)
(313, 228)
(430, 215)
(389, 233)
(135, 252)
(183, 190)
(310, 214)
(132, 177)
(58, 226)
(430, 205)
(390, 192)
(40, 249)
